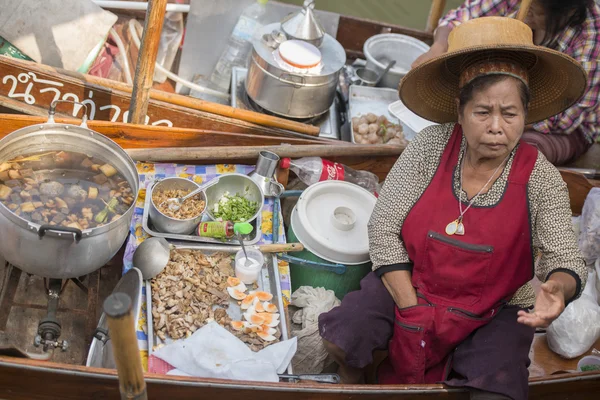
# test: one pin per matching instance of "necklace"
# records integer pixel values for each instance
(457, 227)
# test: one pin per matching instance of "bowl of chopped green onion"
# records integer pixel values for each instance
(236, 198)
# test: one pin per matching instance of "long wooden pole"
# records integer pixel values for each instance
(121, 331)
(523, 9)
(435, 13)
(144, 71)
(248, 152)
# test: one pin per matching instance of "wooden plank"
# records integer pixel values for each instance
(134, 136)
(25, 86)
(144, 70)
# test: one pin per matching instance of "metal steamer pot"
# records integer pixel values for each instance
(292, 94)
(59, 252)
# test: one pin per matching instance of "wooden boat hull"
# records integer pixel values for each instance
(76, 382)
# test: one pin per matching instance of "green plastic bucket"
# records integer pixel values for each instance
(307, 276)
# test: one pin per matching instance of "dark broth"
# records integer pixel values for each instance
(64, 188)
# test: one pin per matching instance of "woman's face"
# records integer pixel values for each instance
(494, 119)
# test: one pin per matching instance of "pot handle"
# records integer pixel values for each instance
(295, 80)
(52, 111)
(77, 234)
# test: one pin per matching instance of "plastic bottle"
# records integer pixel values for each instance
(222, 230)
(239, 45)
(311, 170)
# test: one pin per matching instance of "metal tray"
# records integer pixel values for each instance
(376, 100)
(250, 239)
(268, 281)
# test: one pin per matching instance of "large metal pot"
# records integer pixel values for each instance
(292, 94)
(57, 252)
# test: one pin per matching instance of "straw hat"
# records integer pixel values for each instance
(493, 45)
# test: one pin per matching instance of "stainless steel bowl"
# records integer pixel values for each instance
(167, 224)
(235, 183)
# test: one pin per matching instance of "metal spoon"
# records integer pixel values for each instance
(380, 77)
(243, 249)
(176, 202)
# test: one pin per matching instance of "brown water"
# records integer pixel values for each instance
(408, 13)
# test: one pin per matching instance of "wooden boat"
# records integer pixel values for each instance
(65, 377)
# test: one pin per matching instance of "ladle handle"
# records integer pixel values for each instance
(280, 248)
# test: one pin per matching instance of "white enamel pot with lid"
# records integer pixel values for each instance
(330, 220)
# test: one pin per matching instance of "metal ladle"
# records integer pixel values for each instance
(385, 71)
(152, 256)
(176, 202)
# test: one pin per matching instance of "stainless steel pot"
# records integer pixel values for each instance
(57, 252)
(292, 94)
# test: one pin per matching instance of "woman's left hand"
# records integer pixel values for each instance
(549, 304)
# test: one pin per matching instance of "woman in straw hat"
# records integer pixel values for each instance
(571, 27)
(461, 218)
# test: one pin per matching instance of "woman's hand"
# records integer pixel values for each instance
(434, 51)
(399, 284)
(549, 304)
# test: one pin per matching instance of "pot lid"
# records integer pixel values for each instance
(303, 25)
(299, 54)
(333, 55)
(100, 354)
(330, 219)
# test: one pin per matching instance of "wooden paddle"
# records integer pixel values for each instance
(121, 328)
(435, 13)
(523, 9)
(144, 71)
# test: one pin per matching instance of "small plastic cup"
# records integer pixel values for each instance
(248, 274)
(588, 360)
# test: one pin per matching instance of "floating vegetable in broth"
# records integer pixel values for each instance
(64, 188)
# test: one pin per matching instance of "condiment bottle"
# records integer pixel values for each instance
(222, 229)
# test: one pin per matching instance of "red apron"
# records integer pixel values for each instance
(461, 281)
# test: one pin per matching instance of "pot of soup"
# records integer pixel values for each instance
(67, 196)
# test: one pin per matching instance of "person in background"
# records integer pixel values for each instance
(571, 27)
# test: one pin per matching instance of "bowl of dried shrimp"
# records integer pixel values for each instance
(181, 221)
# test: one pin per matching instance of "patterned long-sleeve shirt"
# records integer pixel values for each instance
(582, 43)
(553, 237)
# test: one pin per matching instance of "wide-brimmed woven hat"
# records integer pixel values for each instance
(556, 81)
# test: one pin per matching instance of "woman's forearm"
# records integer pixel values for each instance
(399, 284)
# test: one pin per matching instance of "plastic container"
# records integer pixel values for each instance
(249, 274)
(330, 220)
(239, 45)
(588, 360)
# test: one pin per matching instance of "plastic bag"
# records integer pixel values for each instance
(578, 327)
(589, 238)
(170, 40)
